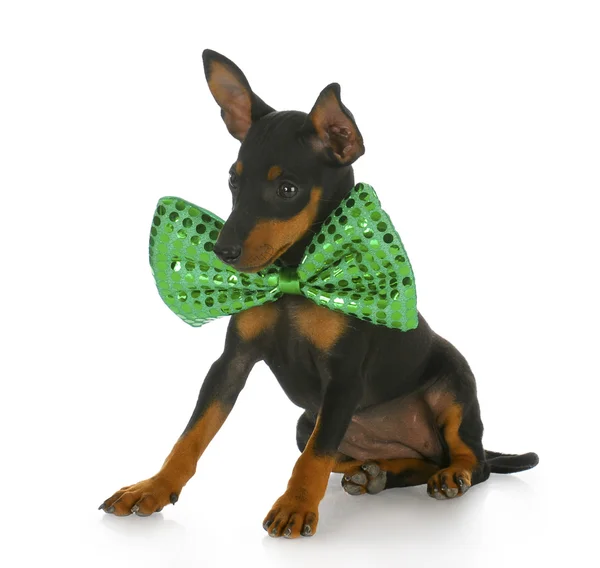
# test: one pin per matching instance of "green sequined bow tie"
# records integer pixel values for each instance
(356, 264)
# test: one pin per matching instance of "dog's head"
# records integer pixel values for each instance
(289, 170)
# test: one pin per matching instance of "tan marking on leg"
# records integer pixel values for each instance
(321, 326)
(274, 172)
(270, 238)
(311, 472)
(455, 479)
(298, 507)
(398, 466)
(460, 454)
(180, 464)
(371, 476)
(239, 167)
(154, 493)
(251, 323)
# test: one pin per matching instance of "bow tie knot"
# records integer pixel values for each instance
(289, 281)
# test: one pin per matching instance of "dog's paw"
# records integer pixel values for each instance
(291, 518)
(368, 478)
(143, 498)
(449, 483)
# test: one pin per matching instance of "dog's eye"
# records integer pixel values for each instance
(287, 190)
(233, 180)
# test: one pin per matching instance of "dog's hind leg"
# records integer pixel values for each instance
(373, 476)
(452, 398)
(467, 465)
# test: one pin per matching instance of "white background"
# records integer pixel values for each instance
(481, 122)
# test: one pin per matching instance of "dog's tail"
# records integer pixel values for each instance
(510, 463)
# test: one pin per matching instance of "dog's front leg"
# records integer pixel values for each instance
(296, 512)
(220, 389)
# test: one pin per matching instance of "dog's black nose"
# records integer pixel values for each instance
(228, 253)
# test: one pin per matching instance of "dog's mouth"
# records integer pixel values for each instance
(272, 259)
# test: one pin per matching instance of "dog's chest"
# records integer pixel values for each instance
(297, 347)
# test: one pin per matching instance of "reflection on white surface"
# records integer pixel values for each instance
(370, 529)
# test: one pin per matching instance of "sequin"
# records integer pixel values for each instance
(356, 264)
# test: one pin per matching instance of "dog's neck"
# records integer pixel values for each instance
(336, 186)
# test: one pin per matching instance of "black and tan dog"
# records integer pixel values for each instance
(385, 408)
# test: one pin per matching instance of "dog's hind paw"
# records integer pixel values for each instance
(368, 478)
(449, 483)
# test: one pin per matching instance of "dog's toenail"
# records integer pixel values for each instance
(135, 508)
(110, 510)
(306, 531)
(174, 498)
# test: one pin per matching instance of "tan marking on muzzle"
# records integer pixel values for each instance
(270, 238)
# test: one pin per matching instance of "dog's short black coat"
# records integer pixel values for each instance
(384, 407)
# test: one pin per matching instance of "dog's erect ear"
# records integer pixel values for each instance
(240, 107)
(337, 134)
